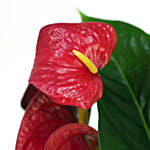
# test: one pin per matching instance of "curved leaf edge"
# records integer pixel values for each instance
(86, 18)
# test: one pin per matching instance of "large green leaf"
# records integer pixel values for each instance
(124, 110)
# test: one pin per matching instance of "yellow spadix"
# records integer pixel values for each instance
(88, 63)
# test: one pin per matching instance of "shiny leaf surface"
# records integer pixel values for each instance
(124, 111)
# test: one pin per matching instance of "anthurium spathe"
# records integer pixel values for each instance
(42, 117)
(73, 137)
(66, 54)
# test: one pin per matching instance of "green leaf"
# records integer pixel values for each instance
(124, 110)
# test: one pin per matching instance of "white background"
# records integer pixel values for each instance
(20, 22)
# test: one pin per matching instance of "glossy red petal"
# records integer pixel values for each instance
(59, 74)
(41, 118)
(73, 137)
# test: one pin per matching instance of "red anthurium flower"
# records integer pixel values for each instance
(42, 117)
(73, 137)
(65, 58)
